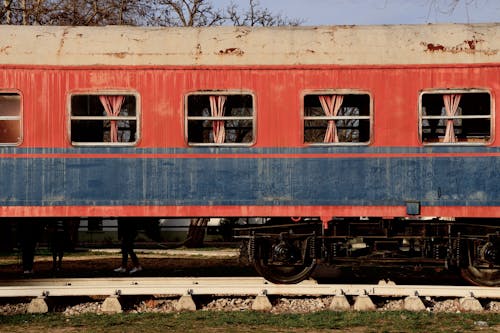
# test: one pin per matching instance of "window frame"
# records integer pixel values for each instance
(325, 117)
(187, 118)
(440, 91)
(137, 117)
(20, 118)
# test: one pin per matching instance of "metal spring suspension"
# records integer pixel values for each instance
(436, 251)
(333, 247)
(251, 249)
(312, 247)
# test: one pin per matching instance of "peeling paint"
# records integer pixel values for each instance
(337, 45)
(467, 46)
(119, 55)
(232, 51)
(242, 32)
(198, 52)
(4, 49)
(63, 39)
(435, 47)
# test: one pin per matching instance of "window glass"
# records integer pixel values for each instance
(455, 117)
(10, 119)
(219, 119)
(104, 119)
(337, 118)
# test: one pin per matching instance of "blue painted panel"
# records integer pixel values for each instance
(472, 181)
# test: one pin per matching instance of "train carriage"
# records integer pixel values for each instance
(381, 141)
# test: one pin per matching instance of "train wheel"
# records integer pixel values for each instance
(483, 263)
(284, 274)
(482, 276)
(285, 261)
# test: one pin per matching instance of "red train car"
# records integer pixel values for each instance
(384, 137)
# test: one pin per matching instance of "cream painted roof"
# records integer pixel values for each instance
(324, 45)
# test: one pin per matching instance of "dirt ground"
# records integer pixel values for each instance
(83, 265)
(210, 263)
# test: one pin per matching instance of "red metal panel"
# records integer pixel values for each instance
(278, 91)
(257, 211)
(278, 98)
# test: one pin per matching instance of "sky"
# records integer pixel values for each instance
(361, 12)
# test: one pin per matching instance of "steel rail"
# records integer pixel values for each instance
(235, 286)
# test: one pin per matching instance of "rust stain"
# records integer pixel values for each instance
(61, 43)
(198, 52)
(467, 46)
(242, 32)
(435, 47)
(119, 55)
(471, 43)
(4, 49)
(232, 51)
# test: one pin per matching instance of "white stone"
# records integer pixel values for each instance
(340, 303)
(414, 303)
(185, 303)
(364, 303)
(470, 304)
(261, 303)
(38, 305)
(111, 305)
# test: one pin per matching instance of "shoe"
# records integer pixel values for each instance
(135, 269)
(120, 270)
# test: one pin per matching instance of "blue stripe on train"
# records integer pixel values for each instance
(435, 181)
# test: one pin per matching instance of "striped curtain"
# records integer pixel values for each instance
(217, 110)
(331, 106)
(112, 107)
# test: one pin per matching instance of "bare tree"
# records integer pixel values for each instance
(188, 13)
(6, 12)
(255, 15)
(447, 7)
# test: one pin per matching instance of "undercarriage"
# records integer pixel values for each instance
(284, 251)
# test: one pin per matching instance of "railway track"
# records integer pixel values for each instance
(342, 296)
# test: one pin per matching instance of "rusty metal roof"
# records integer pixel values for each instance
(242, 46)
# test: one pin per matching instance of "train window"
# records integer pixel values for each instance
(103, 119)
(220, 119)
(455, 117)
(338, 118)
(10, 118)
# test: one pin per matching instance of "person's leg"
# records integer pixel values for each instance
(28, 251)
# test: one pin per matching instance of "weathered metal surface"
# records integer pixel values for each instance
(277, 176)
(325, 45)
(267, 181)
